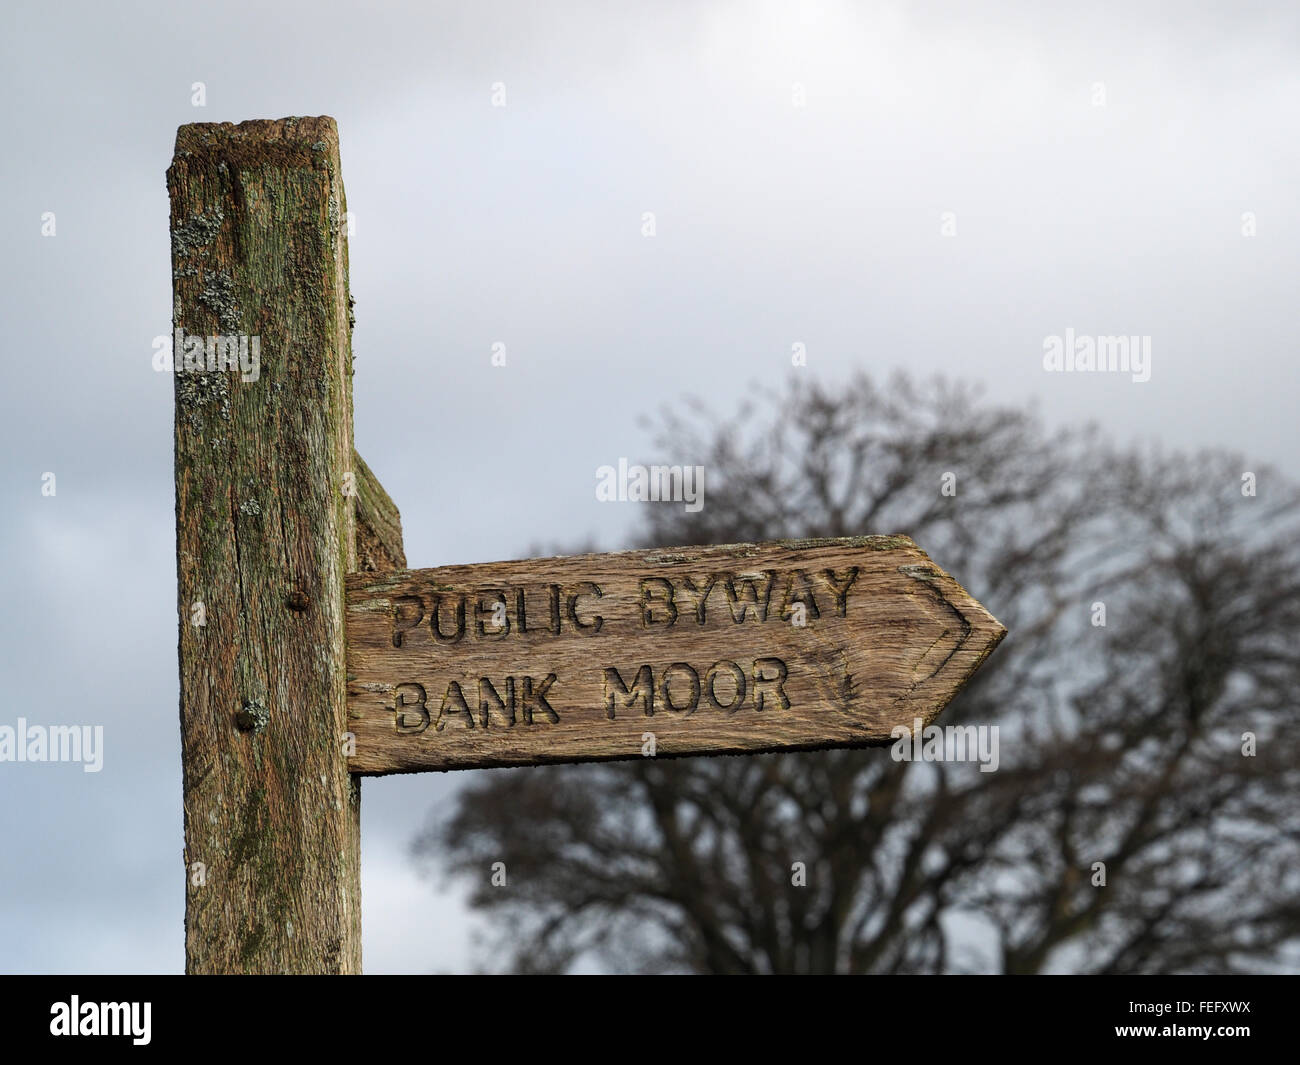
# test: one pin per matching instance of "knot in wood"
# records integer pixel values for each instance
(252, 716)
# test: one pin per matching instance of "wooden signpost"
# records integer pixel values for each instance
(713, 650)
(309, 654)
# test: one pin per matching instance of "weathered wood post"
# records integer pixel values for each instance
(266, 501)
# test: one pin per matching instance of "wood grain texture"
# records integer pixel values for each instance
(379, 524)
(578, 659)
(265, 534)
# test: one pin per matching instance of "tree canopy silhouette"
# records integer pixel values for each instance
(1144, 814)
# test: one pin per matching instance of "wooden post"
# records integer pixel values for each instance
(265, 529)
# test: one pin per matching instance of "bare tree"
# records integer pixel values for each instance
(1144, 814)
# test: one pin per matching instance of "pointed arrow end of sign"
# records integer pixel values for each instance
(967, 634)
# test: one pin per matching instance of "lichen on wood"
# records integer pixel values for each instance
(270, 807)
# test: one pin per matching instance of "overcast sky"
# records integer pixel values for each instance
(801, 162)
